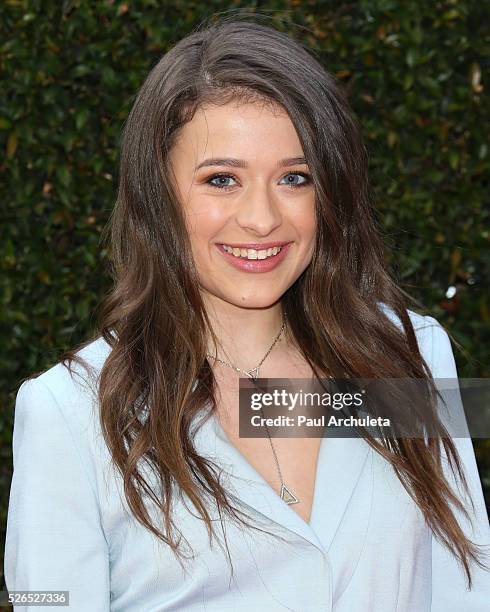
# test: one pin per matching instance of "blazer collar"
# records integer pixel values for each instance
(339, 467)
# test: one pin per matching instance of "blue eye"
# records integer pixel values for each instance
(221, 177)
(303, 175)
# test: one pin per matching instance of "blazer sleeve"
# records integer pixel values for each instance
(54, 539)
(449, 582)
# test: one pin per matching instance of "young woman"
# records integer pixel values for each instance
(244, 244)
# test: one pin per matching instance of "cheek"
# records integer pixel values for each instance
(204, 225)
(306, 227)
(203, 220)
(305, 222)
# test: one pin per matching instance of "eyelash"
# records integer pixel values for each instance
(226, 187)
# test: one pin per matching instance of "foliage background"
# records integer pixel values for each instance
(69, 71)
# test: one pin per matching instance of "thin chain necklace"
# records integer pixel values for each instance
(286, 494)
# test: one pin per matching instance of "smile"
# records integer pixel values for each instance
(254, 260)
(252, 253)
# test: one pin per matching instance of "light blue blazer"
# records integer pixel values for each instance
(365, 549)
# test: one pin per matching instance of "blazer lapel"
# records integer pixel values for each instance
(339, 466)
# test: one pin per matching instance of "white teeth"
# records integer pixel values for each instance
(251, 253)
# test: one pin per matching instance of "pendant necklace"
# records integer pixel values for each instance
(285, 493)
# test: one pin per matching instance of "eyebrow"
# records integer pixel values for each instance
(240, 163)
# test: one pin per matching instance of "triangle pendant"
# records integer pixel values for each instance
(253, 374)
(288, 496)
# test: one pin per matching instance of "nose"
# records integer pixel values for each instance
(259, 211)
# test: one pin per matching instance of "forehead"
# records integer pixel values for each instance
(252, 130)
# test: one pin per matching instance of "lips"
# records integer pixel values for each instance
(258, 246)
(256, 265)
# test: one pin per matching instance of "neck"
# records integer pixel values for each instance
(244, 334)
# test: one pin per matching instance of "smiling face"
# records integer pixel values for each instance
(243, 183)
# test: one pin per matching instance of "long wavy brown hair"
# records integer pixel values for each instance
(154, 319)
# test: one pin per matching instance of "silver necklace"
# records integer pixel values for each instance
(285, 493)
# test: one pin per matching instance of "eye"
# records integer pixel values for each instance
(303, 175)
(222, 178)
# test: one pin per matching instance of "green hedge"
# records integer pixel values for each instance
(69, 74)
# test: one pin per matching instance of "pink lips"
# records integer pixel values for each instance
(255, 265)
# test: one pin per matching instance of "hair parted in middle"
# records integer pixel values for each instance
(154, 319)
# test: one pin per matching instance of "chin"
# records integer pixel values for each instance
(253, 301)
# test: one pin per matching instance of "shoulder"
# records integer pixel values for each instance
(63, 382)
(432, 339)
(60, 380)
(59, 402)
